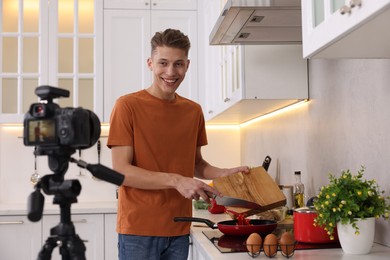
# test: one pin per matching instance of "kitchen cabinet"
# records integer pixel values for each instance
(97, 230)
(110, 237)
(56, 43)
(259, 79)
(20, 238)
(151, 4)
(356, 31)
(238, 83)
(209, 71)
(127, 34)
(89, 227)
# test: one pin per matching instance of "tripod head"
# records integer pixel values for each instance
(65, 191)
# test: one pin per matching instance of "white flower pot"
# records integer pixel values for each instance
(357, 244)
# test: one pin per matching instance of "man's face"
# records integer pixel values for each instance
(169, 66)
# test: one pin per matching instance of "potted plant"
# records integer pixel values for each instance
(346, 201)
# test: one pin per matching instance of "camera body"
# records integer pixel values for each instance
(49, 126)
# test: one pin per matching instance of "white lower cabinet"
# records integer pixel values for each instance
(195, 251)
(96, 230)
(20, 238)
(110, 237)
(89, 227)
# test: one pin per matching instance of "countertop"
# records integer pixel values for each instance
(13, 209)
(209, 252)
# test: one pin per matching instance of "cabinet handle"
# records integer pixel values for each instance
(11, 222)
(154, 4)
(226, 100)
(354, 3)
(345, 9)
(80, 221)
(146, 3)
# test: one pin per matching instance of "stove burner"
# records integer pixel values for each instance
(235, 244)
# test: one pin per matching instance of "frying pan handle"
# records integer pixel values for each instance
(189, 219)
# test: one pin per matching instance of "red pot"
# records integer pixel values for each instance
(306, 232)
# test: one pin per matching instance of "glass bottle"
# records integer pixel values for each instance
(299, 190)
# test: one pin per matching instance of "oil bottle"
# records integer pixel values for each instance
(299, 191)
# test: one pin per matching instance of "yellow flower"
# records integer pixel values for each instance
(357, 233)
(331, 237)
(349, 213)
(327, 202)
(343, 202)
(334, 194)
(331, 224)
(334, 209)
(327, 196)
(359, 193)
(387, 215)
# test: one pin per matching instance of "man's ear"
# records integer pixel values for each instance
(188, 64)
(149, 62)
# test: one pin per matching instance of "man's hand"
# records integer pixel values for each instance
(195, 189)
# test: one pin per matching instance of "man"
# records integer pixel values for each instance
(155, 139)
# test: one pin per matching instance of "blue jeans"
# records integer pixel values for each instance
(132, 247)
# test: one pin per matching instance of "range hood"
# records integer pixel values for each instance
(258, 22)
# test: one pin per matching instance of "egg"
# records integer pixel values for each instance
(287, 244)
(270, 246)
(253, 243)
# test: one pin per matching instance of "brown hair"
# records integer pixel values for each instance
(171, 38)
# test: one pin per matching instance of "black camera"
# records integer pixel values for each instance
(48, 126)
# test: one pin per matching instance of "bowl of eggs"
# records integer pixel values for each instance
(271, 244)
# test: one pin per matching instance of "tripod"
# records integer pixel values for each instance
(65, 193)
(64, 235)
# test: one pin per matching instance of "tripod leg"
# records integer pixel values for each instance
(73, 248)
(47, 249)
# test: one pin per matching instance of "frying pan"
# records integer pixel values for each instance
(230, 227)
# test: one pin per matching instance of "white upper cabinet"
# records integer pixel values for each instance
(151, 4)
(346, 29)
(238, 83)
(127, 34)
(56, 44)
(258, 79)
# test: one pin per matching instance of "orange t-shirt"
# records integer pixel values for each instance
(164, 136)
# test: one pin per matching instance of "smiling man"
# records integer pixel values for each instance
(155, 139)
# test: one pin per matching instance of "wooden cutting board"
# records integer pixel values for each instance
(256, 186)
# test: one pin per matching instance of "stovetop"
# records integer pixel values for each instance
(235, 244)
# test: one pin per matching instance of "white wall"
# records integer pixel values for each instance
(17, 164)
(345, 125)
